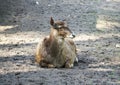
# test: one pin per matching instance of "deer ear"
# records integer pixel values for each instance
(65, 22)
(51, 21)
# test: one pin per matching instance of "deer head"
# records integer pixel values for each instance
(59, 28)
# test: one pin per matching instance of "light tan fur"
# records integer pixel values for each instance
(56, 50)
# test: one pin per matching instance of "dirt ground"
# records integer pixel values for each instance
(24, 23)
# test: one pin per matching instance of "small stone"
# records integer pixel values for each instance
(37, 2)
(49, 5)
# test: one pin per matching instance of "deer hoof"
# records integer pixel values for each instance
(69, 65)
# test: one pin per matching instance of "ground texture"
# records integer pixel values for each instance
(24, 23)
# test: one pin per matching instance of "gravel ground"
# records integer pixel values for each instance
(24, 23)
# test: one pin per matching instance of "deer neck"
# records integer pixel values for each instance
(53, 34)
(56, 42)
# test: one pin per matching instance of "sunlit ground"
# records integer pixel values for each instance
(17, 51)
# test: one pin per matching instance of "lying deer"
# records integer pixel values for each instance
(58, 49)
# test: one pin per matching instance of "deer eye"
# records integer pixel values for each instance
(55, 26)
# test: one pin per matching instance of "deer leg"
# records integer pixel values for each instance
(43, 64)
(46, 64)
(69, 63)
(51, 66)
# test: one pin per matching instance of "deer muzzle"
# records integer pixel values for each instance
(72, 35)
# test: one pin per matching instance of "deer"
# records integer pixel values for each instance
(58, 49)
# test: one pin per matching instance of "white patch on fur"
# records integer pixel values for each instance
(76, 59)
(71, 65)
(59, 26)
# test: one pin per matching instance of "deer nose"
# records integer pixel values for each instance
(73, 35)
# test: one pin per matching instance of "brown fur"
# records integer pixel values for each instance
(56, 50)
